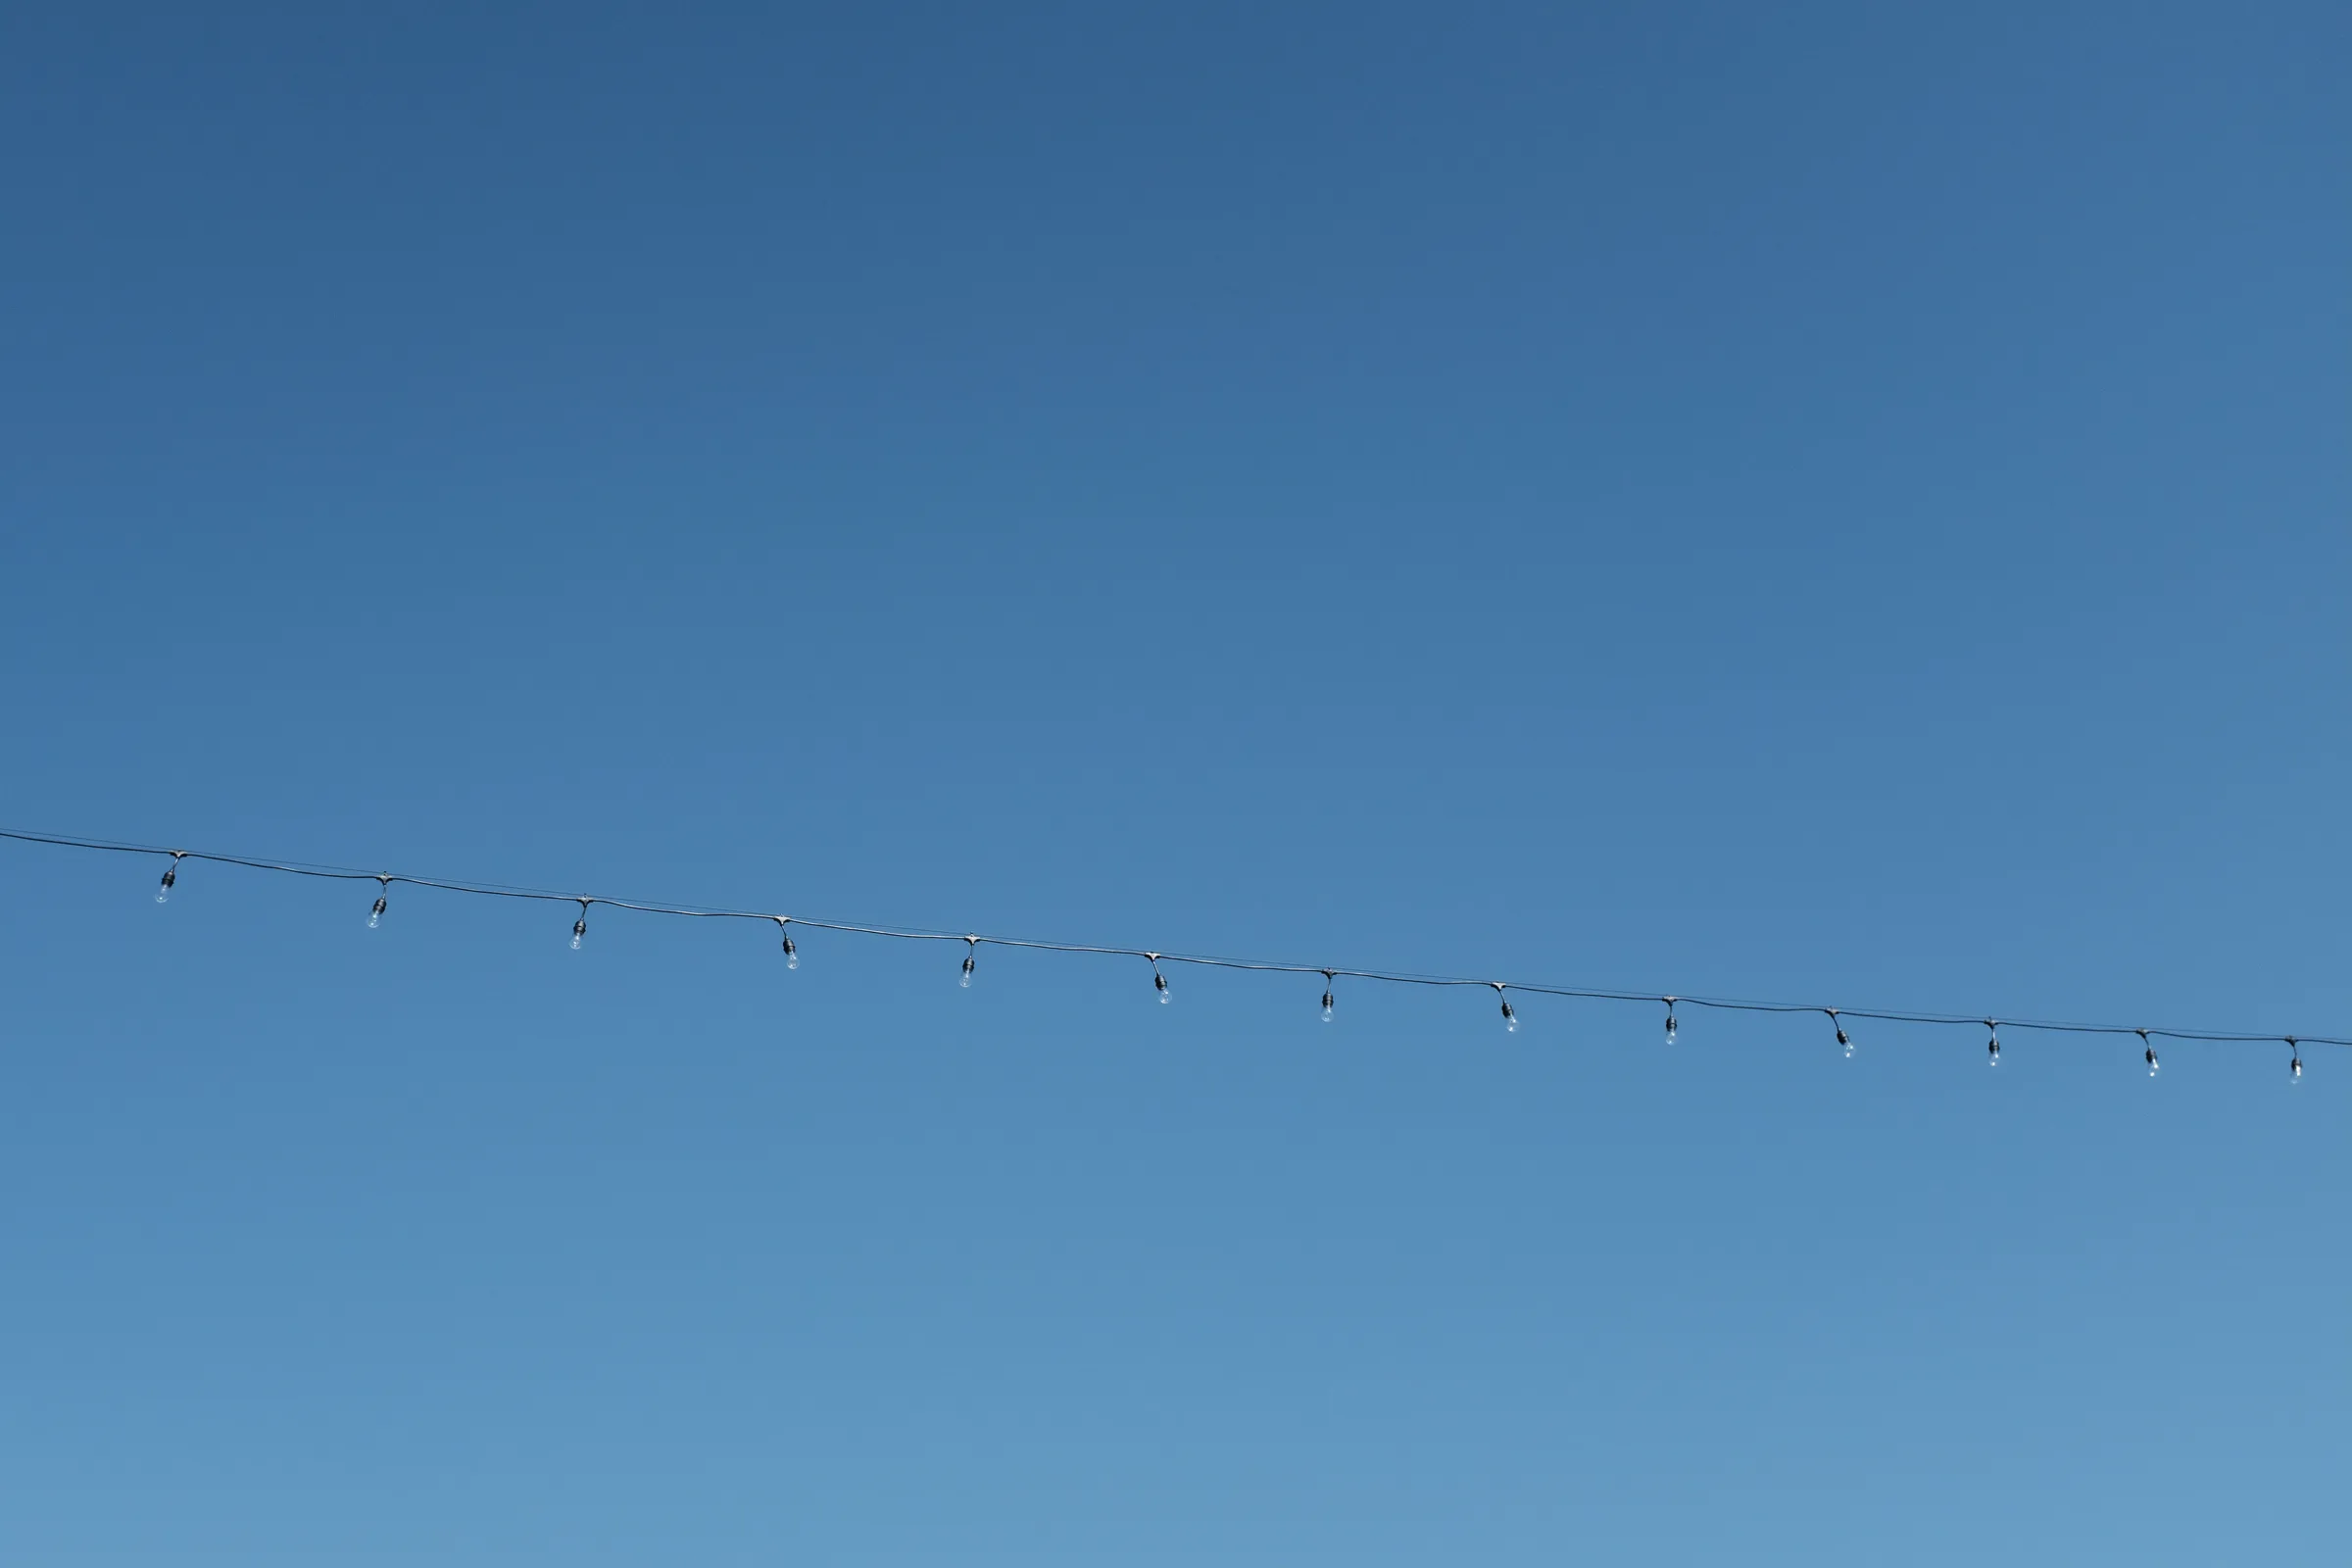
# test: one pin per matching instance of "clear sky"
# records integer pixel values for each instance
(1847, 505)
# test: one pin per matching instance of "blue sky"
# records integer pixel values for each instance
(1841, 506)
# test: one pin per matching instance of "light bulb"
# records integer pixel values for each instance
(375, 915)
(1993, 1046)
(1159, 983)
(2294, 1065)
(968, 965)
(1510, 1019)
(162, 892)
(1842, 1037)
(2150, 1054)
(579, 927)
(1670, 1025)
(1327, 1007)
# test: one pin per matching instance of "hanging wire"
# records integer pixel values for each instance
(495, 890)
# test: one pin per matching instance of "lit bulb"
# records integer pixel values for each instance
(2294, 1067)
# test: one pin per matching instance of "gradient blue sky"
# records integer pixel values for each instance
(1849, 504)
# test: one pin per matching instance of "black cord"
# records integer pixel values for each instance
(496, 890)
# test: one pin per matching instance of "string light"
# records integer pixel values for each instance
(1330, 974)
(972, 952)
(1669, 1000)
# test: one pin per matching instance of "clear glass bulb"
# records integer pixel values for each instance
(1992, 1054)
(1327, 1007)
(1670, 1029)
(966, 981)
(375, 915)
(579, 929)
(2151, 1063)
(1510, 1019)
(162, 892)
(1847, 1042)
